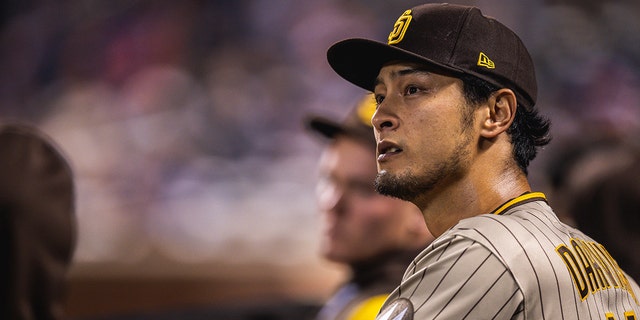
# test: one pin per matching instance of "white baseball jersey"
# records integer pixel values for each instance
(520, 262)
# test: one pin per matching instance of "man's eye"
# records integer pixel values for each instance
(412, 90)
(379, 99)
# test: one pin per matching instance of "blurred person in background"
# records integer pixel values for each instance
(374, 235)
(596, 185)
(37, 225)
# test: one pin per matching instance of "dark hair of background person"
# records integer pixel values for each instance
(37, 224)
(597, 184)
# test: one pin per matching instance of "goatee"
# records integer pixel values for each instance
(408, 186)
(405, 188)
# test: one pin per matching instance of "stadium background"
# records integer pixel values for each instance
(182, 121)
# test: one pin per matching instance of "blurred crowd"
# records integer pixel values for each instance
(182, 119)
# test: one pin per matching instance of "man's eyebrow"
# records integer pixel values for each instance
(403, 72)
(412, 70)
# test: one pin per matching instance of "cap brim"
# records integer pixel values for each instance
(325, 127)
(359, 60)
(330, 130)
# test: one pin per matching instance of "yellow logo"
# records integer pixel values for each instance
(366, 108)
(400, 27)
(484, 61)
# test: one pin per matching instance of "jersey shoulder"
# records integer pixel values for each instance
(526, 226)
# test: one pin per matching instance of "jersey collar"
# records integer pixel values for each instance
(524, 198)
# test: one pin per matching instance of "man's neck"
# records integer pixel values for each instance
(479, 192)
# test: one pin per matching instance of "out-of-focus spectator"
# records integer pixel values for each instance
(374, 235)
(597, 188)
(37, 225)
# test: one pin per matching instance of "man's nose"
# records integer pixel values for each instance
(383, 118)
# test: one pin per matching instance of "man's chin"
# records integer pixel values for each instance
(396, 186)
(388, 185)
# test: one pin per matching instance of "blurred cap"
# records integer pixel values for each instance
(357, 124)
(449, 38)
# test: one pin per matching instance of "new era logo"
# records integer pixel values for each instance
(484, 61)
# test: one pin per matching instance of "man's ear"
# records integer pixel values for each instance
(502, 106)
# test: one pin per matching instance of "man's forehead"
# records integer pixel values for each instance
(398, 69)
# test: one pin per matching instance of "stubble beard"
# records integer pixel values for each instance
(409, 186)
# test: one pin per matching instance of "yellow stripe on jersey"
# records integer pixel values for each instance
(368, 309)
(529, 196)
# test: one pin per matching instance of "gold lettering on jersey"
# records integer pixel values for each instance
(603, 267)
(399, 28)
(592, 268)
(628, 315)
(574, 269)
(608, 260)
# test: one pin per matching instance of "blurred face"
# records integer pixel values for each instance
(422, 128)
(359, 223)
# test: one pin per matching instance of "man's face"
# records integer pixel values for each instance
(359, 223)
(423, 131)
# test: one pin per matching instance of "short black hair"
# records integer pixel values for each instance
(529, 130)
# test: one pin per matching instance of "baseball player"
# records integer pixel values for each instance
(373, 235)
(456, 127)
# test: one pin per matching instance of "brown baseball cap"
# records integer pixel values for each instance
(450, 38)
(357, 123)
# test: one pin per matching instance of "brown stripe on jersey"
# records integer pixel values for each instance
(486, 292)
(465, 283)
(550, 227)
(485, 265)
(507, 302)
(542, 246)
(526, 253)
(443, 277)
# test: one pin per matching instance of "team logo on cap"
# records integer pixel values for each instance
(400, 27)
(484, 61)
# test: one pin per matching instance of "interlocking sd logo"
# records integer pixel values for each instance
(400, 27)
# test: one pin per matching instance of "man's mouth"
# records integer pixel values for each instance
(387, 150)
